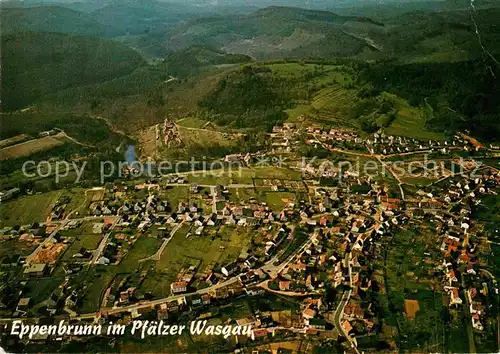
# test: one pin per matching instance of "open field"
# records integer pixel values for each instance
(98, 281)
(37, 207)
(410, 122)
(89, 242)
(192, 122)
(418, 181)
(28, 209)
(31, 146)
(299, 110)
(14, 140)
(78, 201)
(205, 252)
(142, 248)
(193, 137)
(40, 289)
(278, 200)
(247, 175)
(244, 175)
(212, 179)
(174, 195)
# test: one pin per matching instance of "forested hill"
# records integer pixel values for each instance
(298, 14)
(53, 19)
(457, 96)
(248, 97)
(189, 61)
(274, 32)
(37, 64)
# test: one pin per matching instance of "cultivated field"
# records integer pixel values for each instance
(31, 146)
(14, 140)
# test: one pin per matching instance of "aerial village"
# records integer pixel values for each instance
(322, 240)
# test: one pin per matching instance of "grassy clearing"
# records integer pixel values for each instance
(40, 289)
(77, 201)
(207, 138)
(418, 181)
(410, 122)
(243, 195)
(272, 173)
(245, 175)
(278, 200)
(28, 209)
(142, 248)
(191, 122)
(98, 280)
(290, 69)
(209, 179)
(298, 111)
(205, 252)
(175, 195)
(89, 242)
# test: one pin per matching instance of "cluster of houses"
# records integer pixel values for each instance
(380, 143)
(460, 241)
(63, 299)
(337, 232)
(284, 139)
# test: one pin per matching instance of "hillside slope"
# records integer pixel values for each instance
(283, 32)
(36, 64)
(273, 32)
(139, 17)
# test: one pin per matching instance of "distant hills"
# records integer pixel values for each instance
(156, 28)
(142, 17)
(273, 33)
(37, 64)
(281, 32)
(136, 61)
(53, 19)
(113, 19)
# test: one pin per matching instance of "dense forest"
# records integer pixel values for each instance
(68, 61)
(247, 98)
(190, 61)
(457, 96)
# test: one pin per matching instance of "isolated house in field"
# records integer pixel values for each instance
(178, 287)
(23, 305)
(229, 269)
